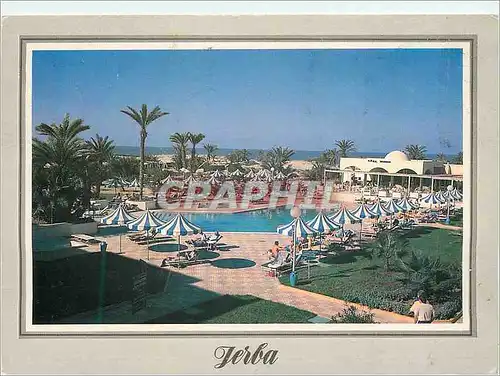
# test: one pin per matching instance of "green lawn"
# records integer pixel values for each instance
(361, 278)
(236, 309)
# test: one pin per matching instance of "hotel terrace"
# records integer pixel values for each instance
(397, 169)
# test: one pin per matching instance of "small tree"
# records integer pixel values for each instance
(389, 247)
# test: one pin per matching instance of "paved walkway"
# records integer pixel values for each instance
(192, 285)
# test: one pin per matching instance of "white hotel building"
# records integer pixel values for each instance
(397, 169)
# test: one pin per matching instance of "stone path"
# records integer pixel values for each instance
(195, 284)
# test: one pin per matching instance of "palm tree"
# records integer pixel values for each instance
(345, 147)
(440, 157)
(211, 151)
(459, 158)
(415, 151)
(195, 139)
(143, 119)
(100, 155)
(59, 165)
(277, 158)
(180, 142)
(331, 157)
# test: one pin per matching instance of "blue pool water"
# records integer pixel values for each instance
(253, 221)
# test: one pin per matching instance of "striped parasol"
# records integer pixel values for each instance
(298, 227)
(119, 217)
(134, 183)
(406, 205)
(378, 209)
(321, 223)
(217, 174)
(237, 173)
(431, 199)
(344, 216)
(168, 179)
(363, 211)
(250, 174)
(442, 196)
(457, 195)
(190, 179)
(179, 226)
(145, 222)
(213, 181)
(280, 176)
(392, 207)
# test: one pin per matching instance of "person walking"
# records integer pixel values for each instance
(423, 311)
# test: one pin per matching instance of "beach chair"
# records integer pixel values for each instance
(212, 242)
(183, 259)
(136, 235)
(145, 236)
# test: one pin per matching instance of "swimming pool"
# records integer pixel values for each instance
(253, 221)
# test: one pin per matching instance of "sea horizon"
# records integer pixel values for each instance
(299, 155)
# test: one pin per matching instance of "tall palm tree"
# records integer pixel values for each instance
(143, 119)
(277, 158)
(59, 165)
(211, 151)
(100, 154)
(331, 157)
(459, 158)
(415, 151)
(195, 139)
(180, 142)
(345, 147)
(441, 158)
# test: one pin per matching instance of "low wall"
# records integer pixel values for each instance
(143, 205)
(63, 229)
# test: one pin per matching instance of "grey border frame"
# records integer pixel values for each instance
(472, 40)
(484, 303)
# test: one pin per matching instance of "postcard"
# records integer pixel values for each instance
(211, 188)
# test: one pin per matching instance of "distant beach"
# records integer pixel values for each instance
(299, 155)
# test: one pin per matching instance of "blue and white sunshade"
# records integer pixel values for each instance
(456, 194)
(431, 199)
(118, 217)
(297, 227)
(344, 216)
(146, 222)
(392, 207)
(179, 226)
(406, 205)
(442, 196)
(363, 211)
(321, 223)
(379, 210)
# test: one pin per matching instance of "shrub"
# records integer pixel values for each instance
(351, 315)
(448, 309)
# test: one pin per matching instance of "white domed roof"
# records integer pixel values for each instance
(396, 155)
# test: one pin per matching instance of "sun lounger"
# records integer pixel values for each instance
(87, 239)
(183, 259)
(136, 235)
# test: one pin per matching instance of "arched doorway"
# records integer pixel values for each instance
(377, 179)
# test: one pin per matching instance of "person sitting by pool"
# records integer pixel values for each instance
(275, 250)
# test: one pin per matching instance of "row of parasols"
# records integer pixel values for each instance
(325, 224)
(219, 176)
(177, 226)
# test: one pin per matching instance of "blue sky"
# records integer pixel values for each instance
(256, 99)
